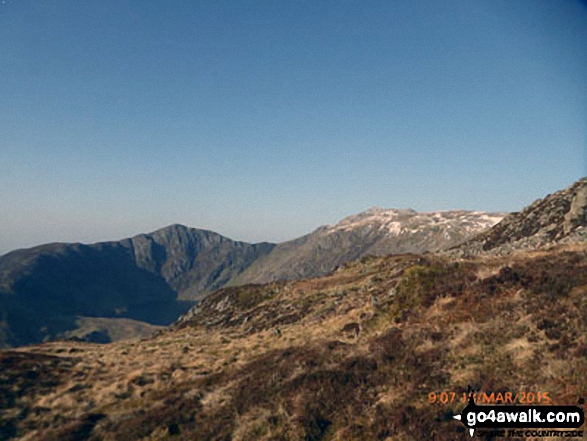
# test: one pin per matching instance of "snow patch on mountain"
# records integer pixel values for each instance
(407, 221)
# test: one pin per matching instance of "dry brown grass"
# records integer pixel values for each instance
(427, 324)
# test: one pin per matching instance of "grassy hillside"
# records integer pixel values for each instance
(355, 355)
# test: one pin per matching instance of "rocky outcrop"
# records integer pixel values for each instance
(576, 217)
(560, 217)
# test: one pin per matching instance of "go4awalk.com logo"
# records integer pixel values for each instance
(508, 421)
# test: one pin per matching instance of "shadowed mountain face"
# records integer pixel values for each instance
(193, 262)
(151, 278)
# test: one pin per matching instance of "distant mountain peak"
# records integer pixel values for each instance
(376, 231)
(407, 220)
(171, 229)
(387, 211)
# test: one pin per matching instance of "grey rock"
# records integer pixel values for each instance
(560, 217)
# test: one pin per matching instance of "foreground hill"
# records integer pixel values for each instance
(57, 290)
(360, 354)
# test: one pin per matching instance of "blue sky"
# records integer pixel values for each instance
(262, 120)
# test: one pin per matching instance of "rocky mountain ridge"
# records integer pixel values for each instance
(194, 262)
(47, 291)
(151, 278)
(558, 218)
(376, 231)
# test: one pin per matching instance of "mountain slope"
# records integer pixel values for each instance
(154, 277)
(374, 232)
(151, 277)
(366, 353)
(194, 262)
(560, 217)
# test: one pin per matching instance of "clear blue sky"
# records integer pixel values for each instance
(262, 120)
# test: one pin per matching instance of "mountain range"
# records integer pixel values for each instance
(380, 348)
(112, 290)
(61, 290)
